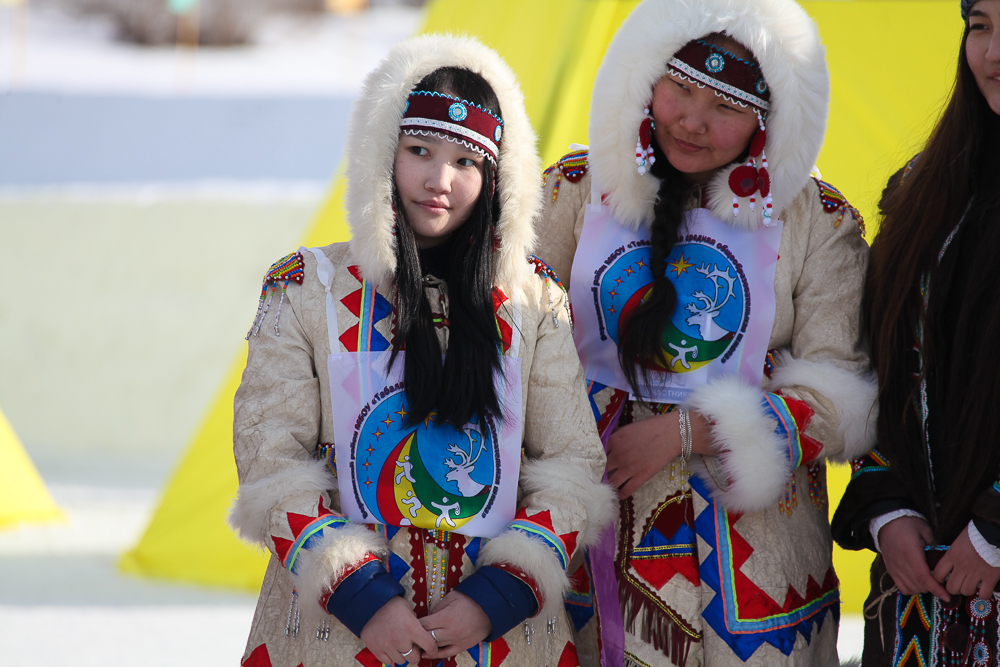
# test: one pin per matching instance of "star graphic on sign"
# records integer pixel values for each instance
(401, 412)
(612, 310)
(387, 421)
(430, 418)
(612, 293)
(680, 266)
(370, 449)
(641, 264)
(619, 281)
(368, 482)
(378, 434)
(629, 271)
(366, 464)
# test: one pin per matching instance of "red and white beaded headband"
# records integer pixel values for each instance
(731, 77)
(454, 119)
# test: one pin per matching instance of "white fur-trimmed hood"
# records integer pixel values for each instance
(374, 135)
(786, 44)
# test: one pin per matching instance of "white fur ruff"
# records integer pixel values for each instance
(753, 457)
(323, 562)
(535, 558)
(251, 512)
(854, 397)
(785, 42)
(373, 136)
(576, 486)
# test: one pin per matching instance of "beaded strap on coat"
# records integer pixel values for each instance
(546, 272)
(833, 199)
(572, 165)
(287, 269)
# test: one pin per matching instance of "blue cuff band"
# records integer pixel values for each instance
(507, 600)
(362, 594)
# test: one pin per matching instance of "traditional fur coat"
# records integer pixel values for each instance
(734, 566)
(339, 299)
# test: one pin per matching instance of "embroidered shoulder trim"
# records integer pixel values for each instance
(290, 268)
(572, 165)
(834, 200)
(546, 271)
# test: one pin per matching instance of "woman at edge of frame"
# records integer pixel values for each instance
(926, 499)
(442, 191)
(733, 565)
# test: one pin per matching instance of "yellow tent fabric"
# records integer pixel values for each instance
(892, 63)
(23, 496)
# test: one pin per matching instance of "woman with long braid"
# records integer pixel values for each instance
(715, 288)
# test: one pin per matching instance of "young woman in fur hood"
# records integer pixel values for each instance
(713, 278)
(413, 436)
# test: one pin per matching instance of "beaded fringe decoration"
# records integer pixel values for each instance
(287, 269)
(790, 501)
(572, 165)
(546, 271)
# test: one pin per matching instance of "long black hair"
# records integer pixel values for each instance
(465, 383)
(639, 342)
(959, 164)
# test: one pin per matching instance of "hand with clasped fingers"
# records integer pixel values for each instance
(458, 623)
(902, 543)
(395, 636)
(639, 450)
(964, 571)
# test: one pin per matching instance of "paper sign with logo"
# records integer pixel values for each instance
(722, 323)
(429, 474)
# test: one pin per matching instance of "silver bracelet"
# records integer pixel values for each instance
(686, 437)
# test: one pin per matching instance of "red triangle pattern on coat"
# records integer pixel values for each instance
(802, 414)
(259, 657)
(569, 657)
(506, 333)
(281, 547)
(367, 658)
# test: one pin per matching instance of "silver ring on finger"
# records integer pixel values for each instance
(435, 637)
(408, 652)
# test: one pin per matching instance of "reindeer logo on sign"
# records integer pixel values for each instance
(711, 303)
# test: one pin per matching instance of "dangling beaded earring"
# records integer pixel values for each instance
(643, 147)
(747, 179)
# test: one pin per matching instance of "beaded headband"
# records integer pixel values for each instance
(454, 119)
(966, 6)
(731, 77)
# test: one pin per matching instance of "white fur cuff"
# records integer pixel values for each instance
(326, 560)
(753, 457)
(533, 557)
(853, 395)
(577, 487)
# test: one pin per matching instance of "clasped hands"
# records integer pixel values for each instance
(961, 571)
(395, 635)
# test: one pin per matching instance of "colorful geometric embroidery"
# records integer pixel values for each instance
(572, 165)
(579, 597)
(289, 268)
(504, 329)
(742, 614)
(370, 308)
(539, 526)
(833, 199)
(569, 657)
(668, 543)
(668, 629)
(873, 461)
(792, 417)
(491, 654)
(306, 531)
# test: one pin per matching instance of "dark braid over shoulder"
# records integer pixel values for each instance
(639, 348)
